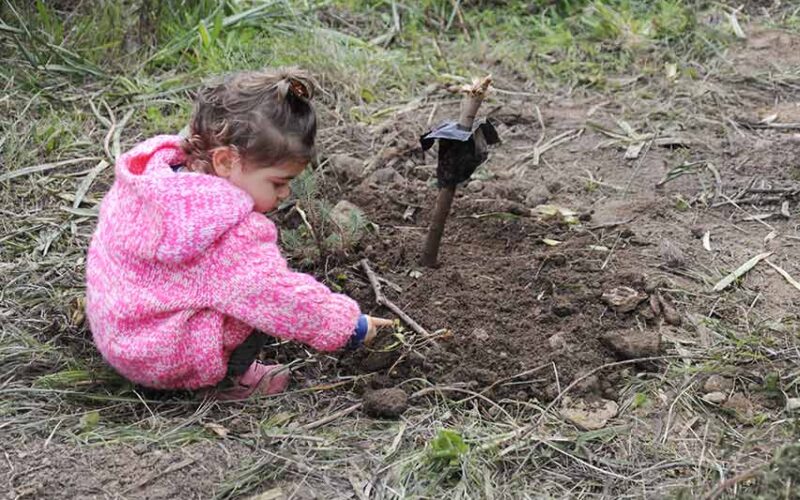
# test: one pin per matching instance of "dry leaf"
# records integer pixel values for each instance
(787, 276)
(548, 211)
(671, 70)
(550, 243)
(740, 271)
(769, 119)
(735, 26)
(217, 429)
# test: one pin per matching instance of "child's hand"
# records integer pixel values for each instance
(374, 325)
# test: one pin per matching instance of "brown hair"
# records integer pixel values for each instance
(264, 115)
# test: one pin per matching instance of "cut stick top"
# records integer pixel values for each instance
(473, 96)
(479, 86)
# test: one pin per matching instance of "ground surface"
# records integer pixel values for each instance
(518, 311)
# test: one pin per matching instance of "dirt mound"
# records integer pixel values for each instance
(513, 313)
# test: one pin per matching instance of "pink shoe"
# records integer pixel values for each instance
(259, 380)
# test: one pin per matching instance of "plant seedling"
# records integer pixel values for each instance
(462, 148)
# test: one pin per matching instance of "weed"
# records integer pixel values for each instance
(446, 450)
(322, 229)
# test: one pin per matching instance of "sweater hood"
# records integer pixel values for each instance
(158, 214)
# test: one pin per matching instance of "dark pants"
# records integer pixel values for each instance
(247, 352)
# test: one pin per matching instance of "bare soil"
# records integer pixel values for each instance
(513, 316)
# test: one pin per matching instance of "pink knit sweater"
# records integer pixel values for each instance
(180, 270)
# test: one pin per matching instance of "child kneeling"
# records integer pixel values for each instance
(184, 265)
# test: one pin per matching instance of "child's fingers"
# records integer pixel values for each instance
(379, 322)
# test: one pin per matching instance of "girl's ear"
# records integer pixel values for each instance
(222, 160)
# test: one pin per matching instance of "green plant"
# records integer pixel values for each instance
(322, 229)
(446, 450)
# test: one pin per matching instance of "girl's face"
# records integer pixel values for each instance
(267, 185)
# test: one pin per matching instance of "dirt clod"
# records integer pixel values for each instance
(385, 176)
(717, 383)
(480, 334)
(537, 196)
(385, 403)
(348, 168)
(344, 211)
(715, 397)
(653, 284)
(589, 415)
(672, 255)
(588, 383)
(563, 309)
(698, 231)
(742, 408)
(557, 341)
(669, 312)
(632, 344)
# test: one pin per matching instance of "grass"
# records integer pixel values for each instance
(89, 79)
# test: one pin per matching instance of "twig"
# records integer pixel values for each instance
(540, 149)
(110, 133)
(781, 126)
(782, 272)
(333, 416)
(473, 394)
(153, 477)
(381, 299)
(611, 252)
(609, 225)
(729, 483)
(638, 166)
(717, 180)
(87, 181)
(753, 199)
(43, 167)
(791, 191)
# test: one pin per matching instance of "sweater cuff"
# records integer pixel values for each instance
(360, 333)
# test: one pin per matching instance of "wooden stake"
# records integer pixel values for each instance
(473, 97)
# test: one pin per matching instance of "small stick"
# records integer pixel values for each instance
(782, 272)
(786, 191)
(381, 299)
(473, 97)
(333, 416)
(613, 224)
(717, 179)
(744, 476)
(169, 470)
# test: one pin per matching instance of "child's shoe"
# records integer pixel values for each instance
(259, 380)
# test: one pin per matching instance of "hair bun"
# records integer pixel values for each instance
(296, 81)
(299, 88)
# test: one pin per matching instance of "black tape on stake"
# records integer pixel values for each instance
(461, 151)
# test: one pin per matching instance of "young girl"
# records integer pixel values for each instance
(184, 266)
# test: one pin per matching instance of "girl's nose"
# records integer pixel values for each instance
(284, 192)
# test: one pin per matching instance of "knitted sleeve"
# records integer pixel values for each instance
(248, 279)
